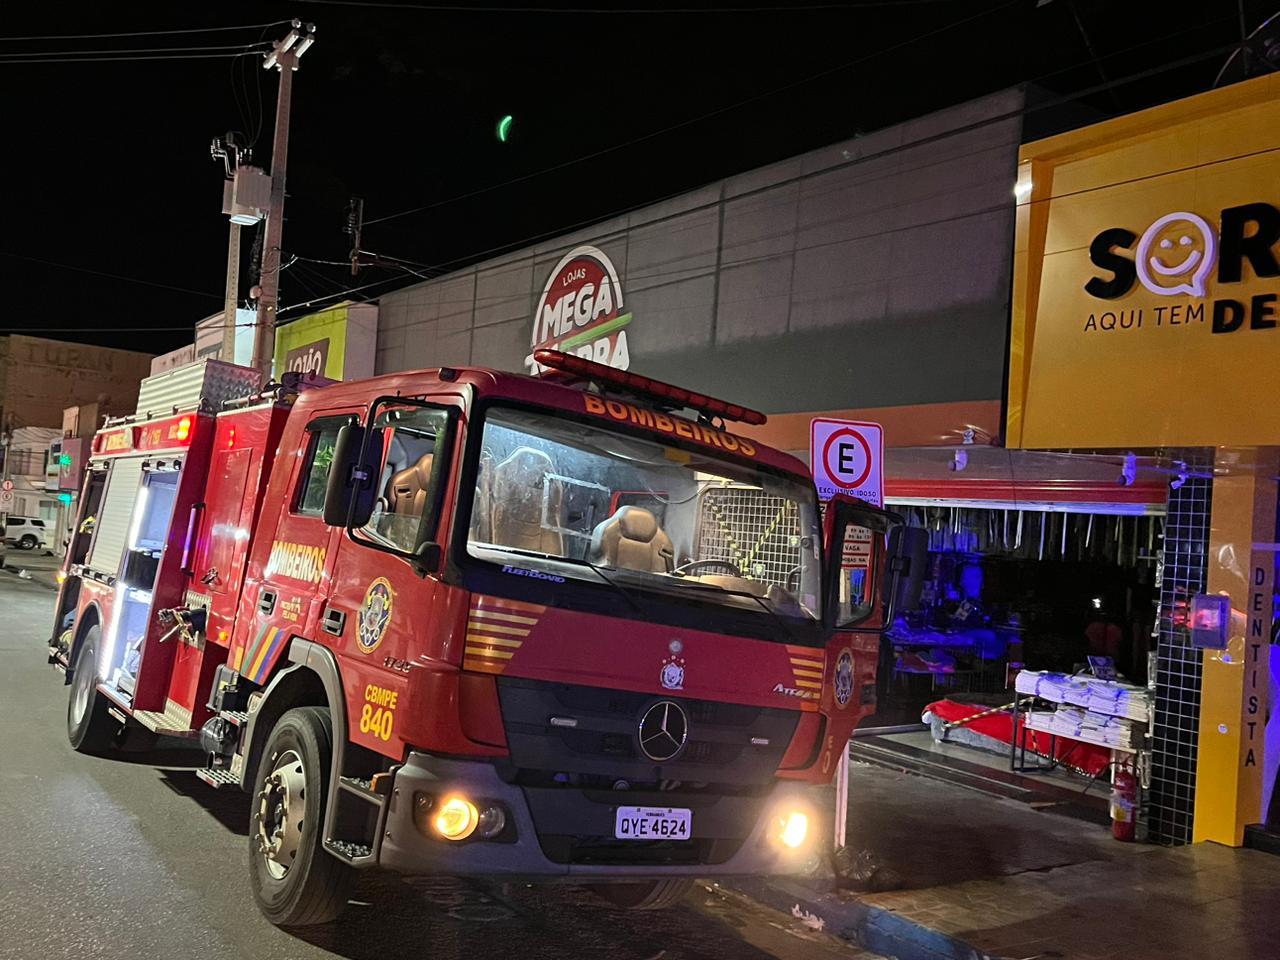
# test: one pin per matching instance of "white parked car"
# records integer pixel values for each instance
(28, 533)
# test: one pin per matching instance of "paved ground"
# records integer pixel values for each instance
(1015, 882)
(110, 859)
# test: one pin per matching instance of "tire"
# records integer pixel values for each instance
(645, 895)
(28, 542)
(90, 728)
(295, 881)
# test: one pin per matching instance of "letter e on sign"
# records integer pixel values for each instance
(847, 456)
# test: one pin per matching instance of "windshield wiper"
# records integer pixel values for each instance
(579, 563)
(764, 604)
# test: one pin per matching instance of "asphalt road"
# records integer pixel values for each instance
(135, 857)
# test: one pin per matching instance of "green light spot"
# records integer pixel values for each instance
(504, 127)
(64, 497)
(64, 460)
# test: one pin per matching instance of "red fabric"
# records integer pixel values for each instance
(999, 726)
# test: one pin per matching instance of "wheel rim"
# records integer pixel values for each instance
(281, 809)
(84, 684)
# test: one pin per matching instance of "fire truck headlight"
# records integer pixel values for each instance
(789, 828)
(795, 830)
(456, 818)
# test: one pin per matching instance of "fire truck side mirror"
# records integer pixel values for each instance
(351, 489)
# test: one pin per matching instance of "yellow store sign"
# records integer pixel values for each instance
(1147, 278)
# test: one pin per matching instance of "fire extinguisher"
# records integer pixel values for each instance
(1124, 805)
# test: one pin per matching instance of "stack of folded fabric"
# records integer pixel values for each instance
(1106, 697)
(1119, 700)
(1076, 723)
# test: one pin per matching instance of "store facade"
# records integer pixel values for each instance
(1144, 324)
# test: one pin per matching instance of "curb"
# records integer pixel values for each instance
(873, 928)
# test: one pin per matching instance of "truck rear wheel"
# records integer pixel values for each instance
(294, 880)
(89, 727)
(644, 895)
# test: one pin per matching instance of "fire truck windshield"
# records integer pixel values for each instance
(552, 493)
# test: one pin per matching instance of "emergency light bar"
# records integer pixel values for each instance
(582, 369)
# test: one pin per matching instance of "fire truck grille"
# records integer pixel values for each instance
(588, 737)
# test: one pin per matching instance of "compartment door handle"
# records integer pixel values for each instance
(334, 621)
(266, 602)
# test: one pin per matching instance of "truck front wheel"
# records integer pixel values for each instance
(90, 727)
(294, 880)
(645, 895)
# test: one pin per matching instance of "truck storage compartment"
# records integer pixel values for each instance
(143, 549)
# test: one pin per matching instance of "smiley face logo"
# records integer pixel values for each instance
(1176, 254)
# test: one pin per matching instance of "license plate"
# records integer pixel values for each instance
(653, 823)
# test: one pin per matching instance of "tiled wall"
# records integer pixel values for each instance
(1178, 671)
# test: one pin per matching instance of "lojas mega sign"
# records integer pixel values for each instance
(581, 311)
(1176, 256)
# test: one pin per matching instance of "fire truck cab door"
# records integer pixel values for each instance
(295, 580)
(860, 583)
(387, 595)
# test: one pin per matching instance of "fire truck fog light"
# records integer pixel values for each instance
(456, 818)
(492, 821)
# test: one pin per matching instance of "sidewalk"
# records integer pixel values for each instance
(986, 877)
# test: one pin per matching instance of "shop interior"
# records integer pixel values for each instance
(1018, 576)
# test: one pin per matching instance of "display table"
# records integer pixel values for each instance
(1103, 713)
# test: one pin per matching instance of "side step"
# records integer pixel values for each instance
(218, 778)
(356, 854)
(174, 721)
(358, 851)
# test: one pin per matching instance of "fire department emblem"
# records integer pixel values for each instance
(375, 614)
(672, 675)
(844, 678)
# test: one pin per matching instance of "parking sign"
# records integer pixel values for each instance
(847, 456)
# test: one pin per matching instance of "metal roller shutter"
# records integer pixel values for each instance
(114, 516)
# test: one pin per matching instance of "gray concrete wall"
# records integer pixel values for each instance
(873, 272)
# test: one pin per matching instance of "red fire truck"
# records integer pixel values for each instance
(467, 622)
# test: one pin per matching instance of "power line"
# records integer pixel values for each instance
(705, 116)
(770, 8)
(112, 276)
(144, 33)
(134, 59)
(134, 50)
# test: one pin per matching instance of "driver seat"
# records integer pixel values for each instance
(407, 491)
(632, 540)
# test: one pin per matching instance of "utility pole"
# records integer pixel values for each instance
(284, 57)
(355, 228)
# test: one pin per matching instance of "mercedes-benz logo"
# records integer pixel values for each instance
(663, 731)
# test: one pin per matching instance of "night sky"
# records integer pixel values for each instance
(106, 165)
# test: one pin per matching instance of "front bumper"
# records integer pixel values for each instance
(561, 811)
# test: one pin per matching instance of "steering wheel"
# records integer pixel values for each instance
(693, 565)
